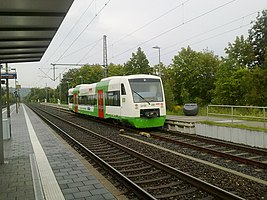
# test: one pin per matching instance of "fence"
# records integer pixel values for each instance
(249, 112)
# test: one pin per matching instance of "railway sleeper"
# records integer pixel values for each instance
(96, 147)
(144, 174)
(185, 192)
(136, 169)
(172, 184)
(154, 180)
(117, 157)
(122, 161)
(130, 165)
(106, 151)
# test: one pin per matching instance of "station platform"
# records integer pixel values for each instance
(195, 119)
(40, 165)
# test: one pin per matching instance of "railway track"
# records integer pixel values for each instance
(240, 153)
(148, 178)
(255, 157)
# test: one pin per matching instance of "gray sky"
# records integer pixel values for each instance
(169, 24)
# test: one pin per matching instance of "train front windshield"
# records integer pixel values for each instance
(146, 90)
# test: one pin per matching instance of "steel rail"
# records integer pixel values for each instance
(211, 189)
(140, 192)
(212, 151)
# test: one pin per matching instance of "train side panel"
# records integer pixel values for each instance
(87, 99)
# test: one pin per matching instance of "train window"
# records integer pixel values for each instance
(70, 98)
(91, 100)
(112, 98)
(146, 90)
(123, 91)
(82, 100)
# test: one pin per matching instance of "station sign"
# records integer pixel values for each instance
(8, 75)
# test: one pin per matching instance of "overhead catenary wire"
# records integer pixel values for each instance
(213, 29)
(178, 26)
(147, 43)
(79, 35)
(140, 28)
(74, 25)
(74, 52)
(150, 22)
(211, 37)
(72, 28)
(86, 54)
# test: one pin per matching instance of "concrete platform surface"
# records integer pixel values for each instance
(39, 165)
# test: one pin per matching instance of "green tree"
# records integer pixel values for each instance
(67, 82)
(193, 75)
(256, 84)
(115, 70)
(241, 80)
(258, 38)
(138, 64)
(230, 84)
(242, 53)
(88, 74)
(40, 94)
(168, 87)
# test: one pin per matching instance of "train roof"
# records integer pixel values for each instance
(70, 90)
(130, 77)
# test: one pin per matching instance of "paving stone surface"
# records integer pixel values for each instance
(16, 181)
(16, 176)
(75, 181)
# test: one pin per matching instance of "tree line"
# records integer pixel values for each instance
(238, 78)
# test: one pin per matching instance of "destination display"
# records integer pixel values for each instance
(8, 75)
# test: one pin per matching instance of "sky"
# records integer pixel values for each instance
(168, 24)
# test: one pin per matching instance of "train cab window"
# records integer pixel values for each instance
(146, 90)
(123, 91)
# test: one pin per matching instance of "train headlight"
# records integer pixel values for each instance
(136, 106)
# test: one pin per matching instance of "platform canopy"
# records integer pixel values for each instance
(28, 26)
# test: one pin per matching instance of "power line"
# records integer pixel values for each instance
(217, 35)
(180, 25)
(74, 25)
(96, 15)
(150, 22)
(93, 43)
(96, 43)
(213, 29)
(242, 26)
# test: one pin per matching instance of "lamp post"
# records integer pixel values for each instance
(16, 91)
(157, 47)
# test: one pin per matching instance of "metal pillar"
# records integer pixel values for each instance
(16, 95)
(1, 127)
(7, 100)
(105, 56)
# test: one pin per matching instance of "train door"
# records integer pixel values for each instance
(75, 101)
(100, 104)
(125, 109)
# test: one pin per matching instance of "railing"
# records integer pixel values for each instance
(251, 112)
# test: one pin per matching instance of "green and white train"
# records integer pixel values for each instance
(137, 100)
